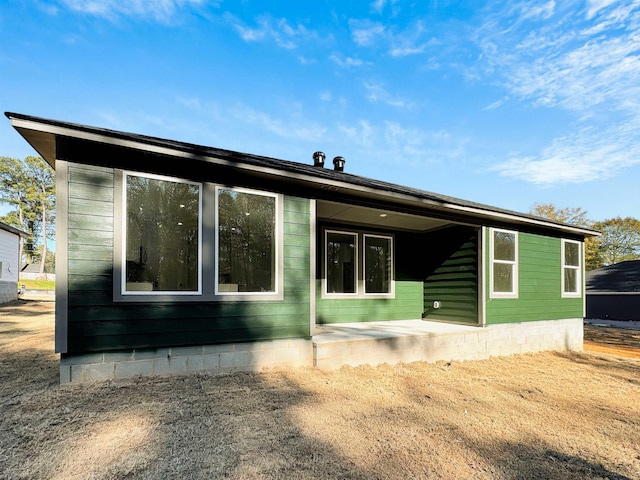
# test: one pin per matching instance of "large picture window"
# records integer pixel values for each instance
(341, 267)
(178, 240)
(162, 236)
(504, 263)
(246, 242)
(571, 268)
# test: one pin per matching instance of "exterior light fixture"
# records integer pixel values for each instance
(338, 164)
(318, 159)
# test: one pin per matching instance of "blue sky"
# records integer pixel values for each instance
(504, 103)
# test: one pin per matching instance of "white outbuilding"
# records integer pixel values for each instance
(10, 238)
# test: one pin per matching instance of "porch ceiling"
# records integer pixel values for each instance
(372, 216)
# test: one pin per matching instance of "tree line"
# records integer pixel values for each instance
(619, 240)
(28, 188)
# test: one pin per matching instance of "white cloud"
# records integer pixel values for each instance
(378, 5)
(587, 155)
(160, 10)
(268, 28)
(366, 33)
(594, 6)
(346, 62)
(291, 127)
(568, 63)
(401, 144)
(410, 41)
(406, 50)
(542, 11)
(377, 93)
(497, 104)
(582, 60)
(189, 102)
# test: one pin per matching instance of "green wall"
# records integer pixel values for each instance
(96, 322)
(539, 289)
(437, 266)
(406, 305)
(451, 275)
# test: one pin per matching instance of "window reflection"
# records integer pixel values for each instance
(246, 242)
(377, 263)
(162, 235)
(341, 262)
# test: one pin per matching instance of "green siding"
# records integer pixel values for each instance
(406, 305)
(539, 285)
(96, 322)
(451, 267)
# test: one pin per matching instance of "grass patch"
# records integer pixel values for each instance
(37, 284)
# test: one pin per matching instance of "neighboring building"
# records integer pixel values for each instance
(613, 292)
(176, 257)
(10, 239)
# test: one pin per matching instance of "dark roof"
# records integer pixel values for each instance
(14, 230)
(619, 277)
(40, 133)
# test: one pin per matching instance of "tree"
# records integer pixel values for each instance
(29, 186)
(620, 239)
(572, 216)
(50, 260)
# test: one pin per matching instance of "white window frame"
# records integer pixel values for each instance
(356, 257)
(391, 292)
(578, 269)
(277, 239)
(123, 278)
(493, 261)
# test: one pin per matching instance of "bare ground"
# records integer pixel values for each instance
(543, 416)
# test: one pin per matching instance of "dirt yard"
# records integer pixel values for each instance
(543, 416)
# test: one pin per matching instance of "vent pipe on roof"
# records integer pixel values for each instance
(338, 164)
(318, 159)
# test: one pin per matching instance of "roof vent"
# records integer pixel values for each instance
(318, 159)
(338, 164)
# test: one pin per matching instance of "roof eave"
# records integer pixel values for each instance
(12, 229)
(41, 135)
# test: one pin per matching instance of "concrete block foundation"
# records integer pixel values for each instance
(334, 345)
(226, 358)
(8, 291)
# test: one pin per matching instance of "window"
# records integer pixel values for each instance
(178, 240)
(341, 267)
(358, 264)
(246, 242)
(161, 236)
(504, 264)
(571, 268)
(377, 264)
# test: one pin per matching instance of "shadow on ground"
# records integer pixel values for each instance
(509, 418)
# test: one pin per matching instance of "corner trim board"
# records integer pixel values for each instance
(62, 257)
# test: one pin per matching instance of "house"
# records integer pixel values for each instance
(613, 292)
(10, 240)
(176, 257)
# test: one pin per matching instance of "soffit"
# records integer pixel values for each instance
(352, 214)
